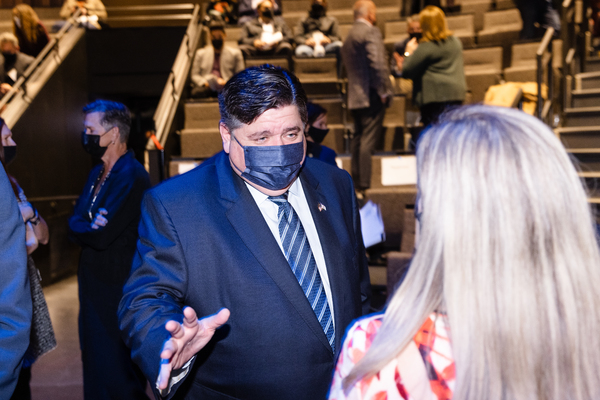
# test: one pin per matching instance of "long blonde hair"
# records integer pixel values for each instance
(29, 22)
(433, 24)
(508, 249)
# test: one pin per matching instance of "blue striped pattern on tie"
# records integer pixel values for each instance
(300, 257)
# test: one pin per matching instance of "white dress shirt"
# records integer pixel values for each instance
(298, 201)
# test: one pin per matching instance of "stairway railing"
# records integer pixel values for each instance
(544, 64)
(171, 98)
(21, 85)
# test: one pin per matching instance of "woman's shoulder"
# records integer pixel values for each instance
(361, 333)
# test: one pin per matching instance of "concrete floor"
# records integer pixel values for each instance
(58, 375)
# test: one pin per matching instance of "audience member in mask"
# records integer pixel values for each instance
(414, 32)
(317, 34)
(214, 65)
(316, 130)
(13, 63)
(105, 224)
(41, 337)
(30, 31)
(232, 242)
(266, 35)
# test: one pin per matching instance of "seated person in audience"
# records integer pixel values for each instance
(317, 34)
(414, 31)
(501, 295)
(315, 131)
(226, 9)
(266, 35)
(29, 30)
(246, 10)
(214, 65)
(13, 63)
(93, 12)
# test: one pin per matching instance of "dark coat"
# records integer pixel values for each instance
(326, 24)
(252, 30)
(205, 244)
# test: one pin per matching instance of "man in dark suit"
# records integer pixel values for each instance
(13, 63)
(369, 88)
(15, 296)
(266, 241)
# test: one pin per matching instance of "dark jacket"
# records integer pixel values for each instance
(205, 244)
(437, 72)
(22, 61)
(252, 30)
(326, 24)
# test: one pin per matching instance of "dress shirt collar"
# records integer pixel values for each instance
(259, 196)
(364, 21)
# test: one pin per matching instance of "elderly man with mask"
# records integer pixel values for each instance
(261, 242)
(266, 35)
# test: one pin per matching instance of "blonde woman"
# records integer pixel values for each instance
(435, 65)
(501, 298)
(28, 28)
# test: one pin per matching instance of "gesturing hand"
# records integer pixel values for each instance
(186, 340)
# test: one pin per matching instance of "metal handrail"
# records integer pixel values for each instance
(167, 105)
(52, 45)
(544, 61)
(161, 7)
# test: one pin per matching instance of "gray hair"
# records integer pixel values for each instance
(508, 250)
(9, 37)
(361, 8)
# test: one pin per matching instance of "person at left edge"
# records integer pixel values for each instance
(210, 243)
(104, 224)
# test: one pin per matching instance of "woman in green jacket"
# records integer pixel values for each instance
(435, 65)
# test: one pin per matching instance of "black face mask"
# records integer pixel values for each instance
(217, 43)
(9, 58)
(317, 10)
(317, 134)
(417, 35)
(268, 13)
(10, 152)
(91, 144)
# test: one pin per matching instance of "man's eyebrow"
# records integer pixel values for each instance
(259, 134)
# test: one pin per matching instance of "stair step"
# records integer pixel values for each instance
(582, 116)
(593, 64)
(579, 137)
(585, 98)
(587, 80)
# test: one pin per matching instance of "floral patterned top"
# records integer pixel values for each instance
(433, 343)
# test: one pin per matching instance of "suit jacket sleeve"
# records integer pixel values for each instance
(196, 76)
(15, 295)
(377, 63)
(301, 34)
(246, 36)
(288, 36)
(333, 33)
(415, 65)
(154, 293)
(122, 202)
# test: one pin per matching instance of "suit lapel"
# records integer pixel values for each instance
(247, 220)
(327, 221)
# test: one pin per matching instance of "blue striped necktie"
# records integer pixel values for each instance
(300, 257)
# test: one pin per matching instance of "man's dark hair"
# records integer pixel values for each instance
(314, 111)
(255, 90)
(114, 114)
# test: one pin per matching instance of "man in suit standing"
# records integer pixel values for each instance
(369, 89)
(262, 238)
(214, 65)
(15, 295)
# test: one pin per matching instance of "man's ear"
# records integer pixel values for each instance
(116, 135)
(225, 137)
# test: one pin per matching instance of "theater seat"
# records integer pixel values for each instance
(483, 68)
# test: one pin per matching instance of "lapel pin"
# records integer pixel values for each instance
(321, 207)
